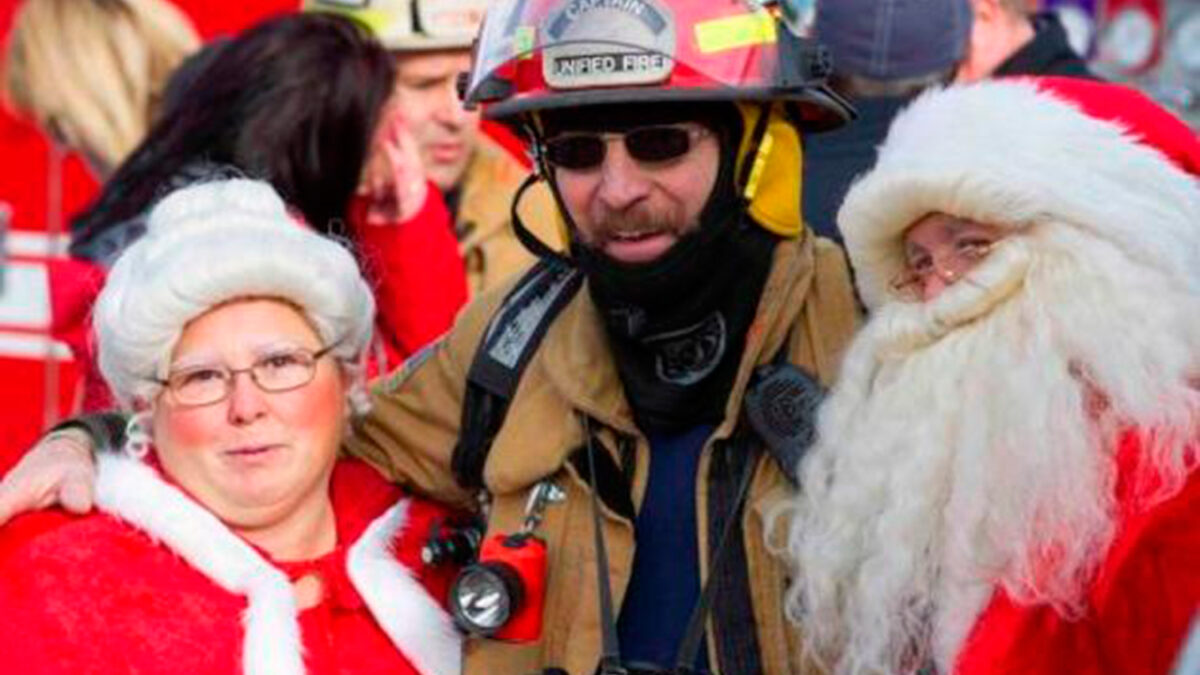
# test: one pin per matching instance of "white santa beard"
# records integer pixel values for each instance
(956, 452)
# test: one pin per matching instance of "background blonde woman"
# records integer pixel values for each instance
(92, 72)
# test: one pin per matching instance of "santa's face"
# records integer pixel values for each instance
(940, 249)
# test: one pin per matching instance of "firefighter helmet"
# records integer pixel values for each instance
(412, 25)
(536, 55)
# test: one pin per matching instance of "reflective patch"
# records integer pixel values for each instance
(732, 32)
(376, 21)
(352, 4)
(450, 18)
(388, 384)
(524, 40)
(759, 166)
(25, 296)
(608, 43)
(528, 307)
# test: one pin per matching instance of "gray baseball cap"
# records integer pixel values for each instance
(893, 39)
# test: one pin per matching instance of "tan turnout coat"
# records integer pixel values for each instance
(411, 432)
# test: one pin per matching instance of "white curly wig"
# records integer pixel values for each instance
(211, 243)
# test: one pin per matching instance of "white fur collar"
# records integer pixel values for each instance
(416, 625)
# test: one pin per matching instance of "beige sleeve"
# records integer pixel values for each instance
(413, 425)
(832, 312)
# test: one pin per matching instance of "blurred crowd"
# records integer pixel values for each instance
(617, 336)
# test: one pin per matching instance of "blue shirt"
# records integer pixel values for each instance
(665, 583)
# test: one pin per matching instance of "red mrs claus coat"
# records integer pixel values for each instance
(155, 584)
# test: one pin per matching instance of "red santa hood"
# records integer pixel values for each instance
(1017, 152)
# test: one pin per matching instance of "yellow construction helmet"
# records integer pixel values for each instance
(412, 25)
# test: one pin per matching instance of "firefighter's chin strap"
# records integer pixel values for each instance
(755, 162)
(689, 646)
(528, 239)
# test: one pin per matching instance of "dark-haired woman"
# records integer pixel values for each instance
(296, 101)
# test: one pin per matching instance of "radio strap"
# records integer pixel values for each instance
(610, 644)
(689, 647)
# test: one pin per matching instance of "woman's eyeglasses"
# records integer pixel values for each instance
(275, 372)
(579, 151)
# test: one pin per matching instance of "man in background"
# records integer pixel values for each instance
(1006, 39)
(884, 54)
(477, 172)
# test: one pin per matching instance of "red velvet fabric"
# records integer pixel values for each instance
(91, 595)
(1145, 119)
(417, 272)
(74, 285)
(1137, 610)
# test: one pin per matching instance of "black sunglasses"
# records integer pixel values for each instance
(579, 151)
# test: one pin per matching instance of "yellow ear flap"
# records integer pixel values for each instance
(773, 186)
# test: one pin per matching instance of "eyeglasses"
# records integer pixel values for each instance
(961, 259)
(579, 151)
(275, 372)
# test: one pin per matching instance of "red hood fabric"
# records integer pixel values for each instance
(1134, 111)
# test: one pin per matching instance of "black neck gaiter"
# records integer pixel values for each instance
(677, 325)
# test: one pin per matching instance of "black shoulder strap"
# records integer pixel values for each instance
(106, 429)
(512, 337)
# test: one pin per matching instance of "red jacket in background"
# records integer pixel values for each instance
(417, 273)
(74, 285)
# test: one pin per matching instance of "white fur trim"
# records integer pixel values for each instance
(133, 492)
(418, 627)
(1007, 153)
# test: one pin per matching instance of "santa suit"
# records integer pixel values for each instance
(1136, 613)
(154, 583)
(1007, 478)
